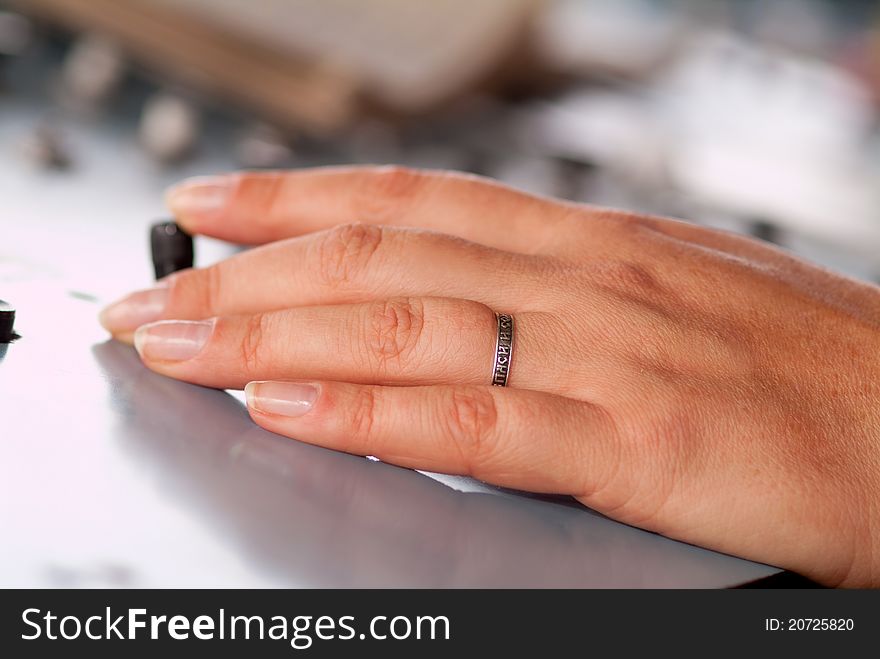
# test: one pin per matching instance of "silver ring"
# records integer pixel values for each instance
(503, 350)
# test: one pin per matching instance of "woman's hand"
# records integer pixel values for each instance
(691, 382)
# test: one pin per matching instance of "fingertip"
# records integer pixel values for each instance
(199, 198)
(173, 341)
(139, 339)
(285, 400)
(124, 337)
(135, 309)
(249, 395)
(107, 321)
(104, 319)
(190, 183)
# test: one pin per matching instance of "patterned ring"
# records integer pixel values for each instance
(503, 350)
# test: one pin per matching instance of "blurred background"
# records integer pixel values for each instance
(759, 116)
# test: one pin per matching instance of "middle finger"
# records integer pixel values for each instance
(348, 264)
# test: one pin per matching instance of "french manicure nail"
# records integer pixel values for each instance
(289, 399)
(199, 196)
(134, 310)
(173, 340)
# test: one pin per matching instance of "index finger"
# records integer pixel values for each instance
(260, 207)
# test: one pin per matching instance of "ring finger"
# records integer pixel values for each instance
(398, 341)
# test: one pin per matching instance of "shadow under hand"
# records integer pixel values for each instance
(304, 515)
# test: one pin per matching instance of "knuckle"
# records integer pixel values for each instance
(656, 453)
(393, 330)
(197, 291)
(471, 424)
(209, 289)
(262, 192)
(631, 275)
(671, 431)
(255, 329)
(387, 191)
(363, 413)
(630, 225)
(346, 251)
(629, 230)
(395, 182)
(626, 277)
(212, 289)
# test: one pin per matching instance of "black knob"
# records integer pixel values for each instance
(172, 248)
(7, 322)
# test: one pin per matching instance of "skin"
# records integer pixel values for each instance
(695, 383)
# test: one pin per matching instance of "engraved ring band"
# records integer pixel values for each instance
(503, 350)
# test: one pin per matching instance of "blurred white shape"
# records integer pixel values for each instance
(606, 128)
(773, 137)
(737, 129)
(726, 87)
(535, 175)
(623, 37)
(92, 70)
(169, 127)
(262, 146)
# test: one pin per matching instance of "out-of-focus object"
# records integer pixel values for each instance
(261, 147)
(805, 27)
(408, 56)
(628, 38)
(45, 148)
(862, 58)
(612, 129)
(15, 33)
(92, 70)
(169, 127)
(15, 36)
(187, 49)
(7, 322)
(171, 248)
(536, 175)
(765, 135)
(311, 64)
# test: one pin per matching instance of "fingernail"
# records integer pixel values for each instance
(173, 340)
(282, 398)
(199, 196)
(136, 309)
